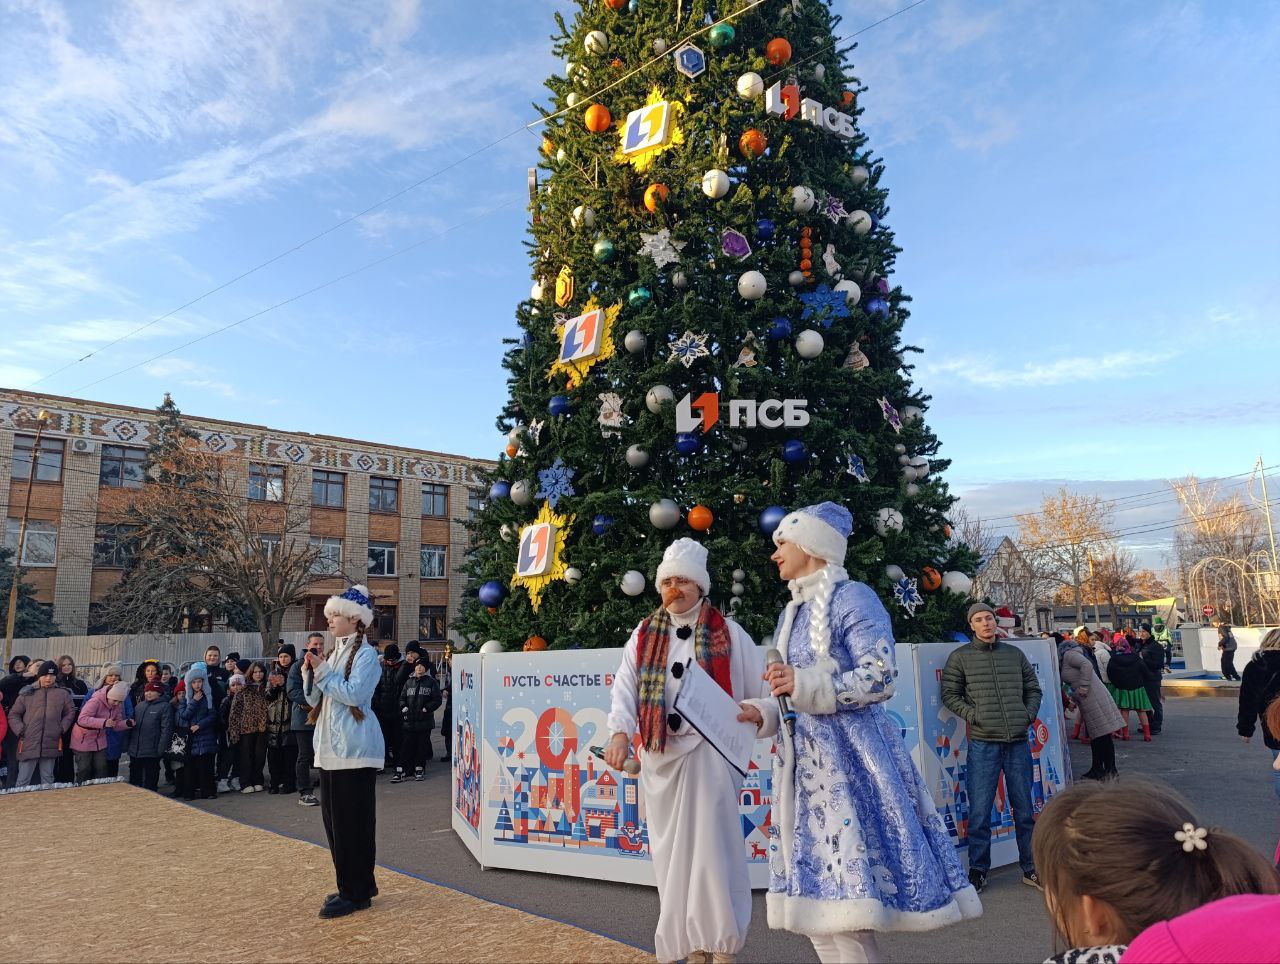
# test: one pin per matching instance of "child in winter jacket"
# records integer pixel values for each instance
(197, 716)
(152, 734)
(247, 728)
(419, 700)
(103, 713)
(228, 754)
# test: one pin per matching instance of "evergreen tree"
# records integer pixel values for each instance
(724, 211)
(33, 620)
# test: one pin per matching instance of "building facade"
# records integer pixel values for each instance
(393, 518)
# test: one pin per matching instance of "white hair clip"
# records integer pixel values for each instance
(1191, 837)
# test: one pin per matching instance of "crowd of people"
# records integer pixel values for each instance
(225, 724)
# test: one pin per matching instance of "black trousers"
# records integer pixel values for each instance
(1229, 665)
(113, 767)
(282, 761)
(347, 804)
(391, 727)
(446, 734)
(306, 759)
(148, 771)
(11, 760)
(228, 760)
(1103, 749)
(198, 777)
(253, 756)
(415, 750)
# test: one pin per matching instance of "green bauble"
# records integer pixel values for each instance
(604, 251)
(721, 35)
(639, 296)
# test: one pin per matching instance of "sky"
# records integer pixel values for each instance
(1085, 195)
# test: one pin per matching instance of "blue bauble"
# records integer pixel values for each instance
(875, 221)
(771, 518)
(600, 524)
(877, 308)
(558, 406)
(492, 593)
(633, 6)
(765, 229)
(687, 443)
(527, 340)
(639, 296)
(794, 451)
(500, 490)
(780, 329)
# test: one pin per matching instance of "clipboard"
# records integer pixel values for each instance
(704, 705)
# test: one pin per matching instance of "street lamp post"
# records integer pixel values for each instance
(41, 419)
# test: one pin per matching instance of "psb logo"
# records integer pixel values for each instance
(708, 406)
(646, 127)
(536, 545)
(582, 335)
(743, 412)
(466, 680)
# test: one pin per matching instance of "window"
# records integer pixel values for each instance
(382, 558)
(431, 623)
(114, 546)
(435, 500)
(40, 548)
(433, 562)
(475, 503)
(270, 544)
(122, 467)
(329, 561)
(384, 495)
(328, 489)
(266, 483)
(49, 465)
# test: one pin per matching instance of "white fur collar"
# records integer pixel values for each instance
(806, 588)
(688, 617)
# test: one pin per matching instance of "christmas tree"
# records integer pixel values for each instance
(713, 336)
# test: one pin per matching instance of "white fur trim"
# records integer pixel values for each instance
(350, 608)
(768, 707)
(805, 915)
(815, 690)
(687, 558)
(812, 535)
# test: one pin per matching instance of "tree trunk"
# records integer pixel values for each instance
(1078, 594)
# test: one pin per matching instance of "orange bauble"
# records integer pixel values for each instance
(548, 147)
(946, 531)
(778, 52)
(806, 264)
(655, 196)
(512, 450)
(930, 578)
(598, 118)
(752, 143)
(616, 64)
(534, 644)
(700, 518)
(615, 4)
(847, 98)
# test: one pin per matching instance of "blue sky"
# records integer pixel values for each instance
(1086, 196)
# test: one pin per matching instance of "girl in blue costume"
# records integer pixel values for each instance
(859, 845)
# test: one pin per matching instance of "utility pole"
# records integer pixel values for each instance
(1273, 584)
(41, 418)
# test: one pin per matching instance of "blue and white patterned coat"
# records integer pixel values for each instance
(858, 842)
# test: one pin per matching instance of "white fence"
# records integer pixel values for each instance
(174, 648)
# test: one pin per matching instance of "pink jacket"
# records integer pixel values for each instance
(1243, 928)
(90, 731)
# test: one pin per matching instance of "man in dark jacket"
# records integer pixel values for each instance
(419, 701)
(386, 699)
(152, 733)
(1259, 685)
(1152, 655)
(43, 713)
(10, 687)
(991, 686)
(303, 731)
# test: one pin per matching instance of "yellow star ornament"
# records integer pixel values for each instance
(650, 130)
(584, 341)
(538, 559)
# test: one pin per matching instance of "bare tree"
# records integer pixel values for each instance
(1061, 539)
(1218, 547)
(1114, 578)
(1006, 575)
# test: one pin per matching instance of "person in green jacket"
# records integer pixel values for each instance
(991, 686)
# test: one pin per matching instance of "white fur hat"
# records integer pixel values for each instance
(354, 603)
(821, 530)
(687, 558)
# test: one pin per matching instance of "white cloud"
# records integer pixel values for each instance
(189, 374)
(985, 373)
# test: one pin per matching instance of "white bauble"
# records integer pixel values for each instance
(809, 344)
(819, 73)
(572, 99)
(660, 46)
(921, 465)
(664, 514)
(752, 286)
(734, 603)
(860, 221)
(715, 183)
(596, 42)
(506, 532)
(679, 280)
(852, 293)
(888, 520)
(802, 200)
(912, 490)
(796, 278)
(535, 292)
(514, 435)
(859, 175)
(956, 582)
(637, 457)
(561, 155)
(572, 575)
(894, 572)
(632, 582)
(900, 449)
(492, 646)
(658, 396)
(583, 217)
(910, 414)
(737, 589)
(909, 473)
(635, 341)
(750, 85)
(739, 575)
(903, 459)
(569, 68)
(521, 492)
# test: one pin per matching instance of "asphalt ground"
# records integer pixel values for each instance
(1228, 783)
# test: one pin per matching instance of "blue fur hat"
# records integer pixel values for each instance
(197, 671)
(821, 530)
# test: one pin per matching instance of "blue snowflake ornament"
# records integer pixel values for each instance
(689, 347)
(890, 414)
(825, 304)
(907, 595)
(555, 483)
(833, 208)
(858, 469)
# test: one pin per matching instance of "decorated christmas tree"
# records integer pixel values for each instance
(713, 336)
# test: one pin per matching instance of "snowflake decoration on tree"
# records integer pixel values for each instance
(907, 595)
(660, 247)
(825, 304)
(688, 348)
(833, 208)
(858, 469)
(535, 430)
(890, 414)
(555, 483)
(611, 417)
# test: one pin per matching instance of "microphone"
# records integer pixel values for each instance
(771, 658)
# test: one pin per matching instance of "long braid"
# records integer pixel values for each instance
(819, 630)
(314, 713)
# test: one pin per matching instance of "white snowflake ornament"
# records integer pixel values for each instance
(660, 247)
(689, 347)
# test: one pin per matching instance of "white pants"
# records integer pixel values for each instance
(851, 947)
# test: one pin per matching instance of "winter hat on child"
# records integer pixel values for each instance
(48, 668)
(821, 530)
(413, 647)
(354, 604)
(686, 558)
(118, 692)
(1241, 928)
(153, 687)
(235, 678)
(233, 657)
(197, 671)
(391, 653)
(290, 649)
(242, 665)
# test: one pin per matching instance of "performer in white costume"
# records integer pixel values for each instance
(690, 791)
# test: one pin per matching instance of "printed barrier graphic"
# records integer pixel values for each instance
(529, 795)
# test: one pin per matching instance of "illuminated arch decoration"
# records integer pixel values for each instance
(540, 555)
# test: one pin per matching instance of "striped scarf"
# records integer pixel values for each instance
(711, 647)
